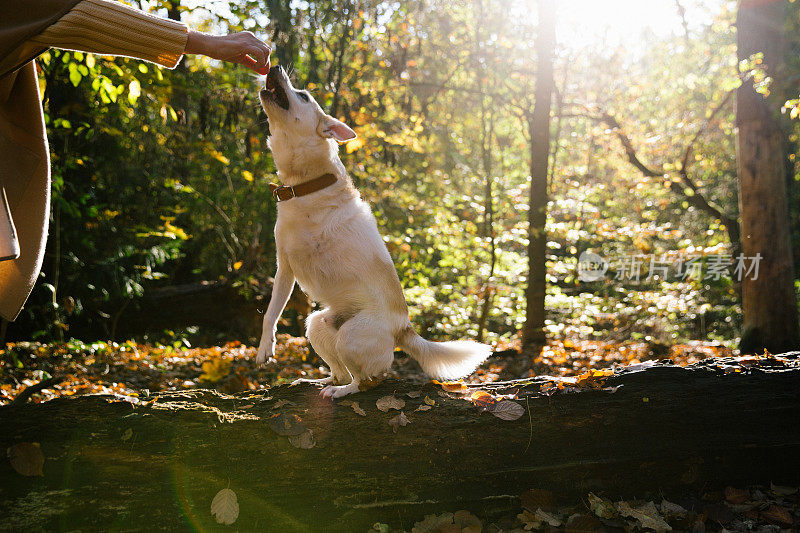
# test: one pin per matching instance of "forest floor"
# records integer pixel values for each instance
(127, 369)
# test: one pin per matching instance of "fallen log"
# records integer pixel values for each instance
(297, 462)
(217, 306)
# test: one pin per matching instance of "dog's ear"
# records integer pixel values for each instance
(335, 129)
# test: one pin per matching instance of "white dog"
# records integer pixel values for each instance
(328, 241)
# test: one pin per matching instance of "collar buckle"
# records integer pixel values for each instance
(283, 193)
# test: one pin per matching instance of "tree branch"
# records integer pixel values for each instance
(23, 396)
(696, 198)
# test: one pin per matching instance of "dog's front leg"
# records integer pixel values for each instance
(281, 290)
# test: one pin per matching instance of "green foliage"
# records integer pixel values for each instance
(160, 177)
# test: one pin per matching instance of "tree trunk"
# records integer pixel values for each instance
(539, 130)
(487, 137)
(156, 463)
(768, 302)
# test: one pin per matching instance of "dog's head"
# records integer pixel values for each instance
(296, 121)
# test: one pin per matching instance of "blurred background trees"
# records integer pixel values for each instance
(160, 177)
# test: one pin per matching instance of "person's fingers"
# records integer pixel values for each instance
(247, 61)
(257, 53)
(260, 54)
(243, 48)
(257, 43)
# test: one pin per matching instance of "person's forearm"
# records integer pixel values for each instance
(112, 28)
(198, 43)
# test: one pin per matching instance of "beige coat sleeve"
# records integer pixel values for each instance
(111, 28)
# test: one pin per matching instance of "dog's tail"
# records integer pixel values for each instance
(443, 360)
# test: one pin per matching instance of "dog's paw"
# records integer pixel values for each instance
(337, 391)
(266, 352)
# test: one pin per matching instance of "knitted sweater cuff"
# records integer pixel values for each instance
(111, 28)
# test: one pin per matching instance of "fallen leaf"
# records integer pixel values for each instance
(777, 515)
(482, 399)
(390, 402)
(735, 496)
(647, 515)
(26, 458)
(593, 378)
(428, 401)
(215, 369)
(529, 520)
(423, 408)
(305, 440)
(782, 491)
(431, 523)
(287, 425)
(279, 404)
(548, 518)
(225, 507)
(357, 408)
(467, 522)
(673, 509)
(399, 420)
(451, 386)
(414, 394)
(601, 507)
(508, 410)
(369, 383)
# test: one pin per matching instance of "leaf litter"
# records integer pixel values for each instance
(128, 368)
(773, 512)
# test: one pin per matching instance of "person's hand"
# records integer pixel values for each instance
(243, 48)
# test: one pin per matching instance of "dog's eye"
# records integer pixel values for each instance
(304, 96)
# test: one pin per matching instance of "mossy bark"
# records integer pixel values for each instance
(155, 465)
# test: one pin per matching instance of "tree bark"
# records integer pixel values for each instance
(539, 133)
(156, 463)
(768, 301)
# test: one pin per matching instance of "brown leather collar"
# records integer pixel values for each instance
(281, 193)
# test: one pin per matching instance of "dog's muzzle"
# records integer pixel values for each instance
(273, 90)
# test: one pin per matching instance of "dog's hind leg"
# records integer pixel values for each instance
(366, 346)
(321, 334)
